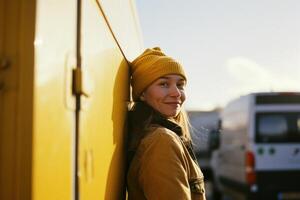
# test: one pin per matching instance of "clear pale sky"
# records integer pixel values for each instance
(228, 48)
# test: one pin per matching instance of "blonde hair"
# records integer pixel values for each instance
(140, 122)
(183, 120)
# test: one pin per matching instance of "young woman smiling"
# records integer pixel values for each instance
(161, 162)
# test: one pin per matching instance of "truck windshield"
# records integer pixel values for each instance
(278, 127)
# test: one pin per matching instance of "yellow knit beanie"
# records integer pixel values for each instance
(149, 66)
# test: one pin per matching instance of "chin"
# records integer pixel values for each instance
(172, 114)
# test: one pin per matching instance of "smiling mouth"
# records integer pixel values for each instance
(174, 104)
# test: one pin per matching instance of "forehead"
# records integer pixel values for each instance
(173, 77)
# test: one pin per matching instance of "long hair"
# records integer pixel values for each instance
(141, 116)
(183, 120)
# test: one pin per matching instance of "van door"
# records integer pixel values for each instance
(54, 104)
(105, 75)
(278, 140)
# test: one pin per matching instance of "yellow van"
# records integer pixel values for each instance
(64, 89)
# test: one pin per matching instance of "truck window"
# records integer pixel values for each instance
(272, 125)
(277, 127)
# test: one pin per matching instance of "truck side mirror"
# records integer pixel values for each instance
(214, 139)
(219, 124)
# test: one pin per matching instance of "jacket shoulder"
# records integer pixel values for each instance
(161, 135)
(163, 166)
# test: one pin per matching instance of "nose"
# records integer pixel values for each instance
(175, 92)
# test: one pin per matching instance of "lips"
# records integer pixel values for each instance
(174, 104)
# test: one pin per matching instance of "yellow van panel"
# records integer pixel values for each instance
(103, 114)
(122, 16)
(17, 20)
(54, 121)
(37, 108)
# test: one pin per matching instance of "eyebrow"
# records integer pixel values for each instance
(166, 77)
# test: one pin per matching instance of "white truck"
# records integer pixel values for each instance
(204, 124)
(258, 156)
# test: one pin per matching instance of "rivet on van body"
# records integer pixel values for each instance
(271, 151)
(296, 151)
(260, 151)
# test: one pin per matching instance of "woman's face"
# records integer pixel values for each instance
(166, 95)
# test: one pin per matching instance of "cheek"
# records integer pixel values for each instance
(152, 95)
(182, 96)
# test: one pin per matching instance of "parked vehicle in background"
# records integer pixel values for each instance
(204, 125)
(259, 152)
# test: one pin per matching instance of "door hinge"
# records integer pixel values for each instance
(77, 85)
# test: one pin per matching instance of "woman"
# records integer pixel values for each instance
(161, 160)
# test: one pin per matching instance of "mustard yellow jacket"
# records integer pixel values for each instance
(163, 169)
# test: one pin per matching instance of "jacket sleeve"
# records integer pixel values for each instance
(163, 172)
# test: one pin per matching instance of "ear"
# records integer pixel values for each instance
(142, 97)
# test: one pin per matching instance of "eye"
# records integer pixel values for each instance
(164, 84)
(181, 85)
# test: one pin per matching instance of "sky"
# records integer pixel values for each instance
(228, 48)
